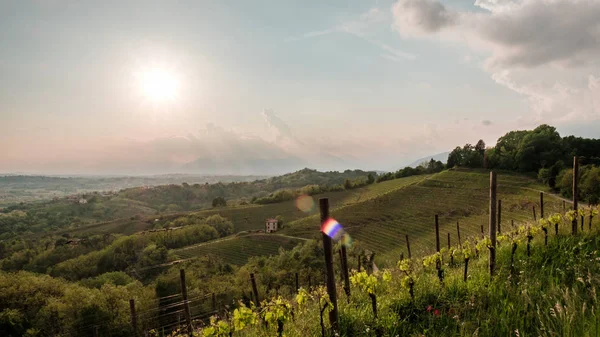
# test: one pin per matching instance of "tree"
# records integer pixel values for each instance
(590, 185)
(223, 226)
(455, 158)
(370, 179)
(279, 219)
(219, 201)
(480, 147)
(348, 184)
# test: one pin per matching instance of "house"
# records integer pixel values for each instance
(82, 201)
(271, 225)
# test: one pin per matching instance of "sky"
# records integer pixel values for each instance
(266, 87)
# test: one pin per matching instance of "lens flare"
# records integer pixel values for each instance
(305, 203)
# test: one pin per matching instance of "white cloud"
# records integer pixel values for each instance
(417, 17)
(545, 50)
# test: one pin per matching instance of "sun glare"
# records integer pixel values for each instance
(158, 85)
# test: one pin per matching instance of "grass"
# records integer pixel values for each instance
(553, 292)
(382, 222)
(238, 249)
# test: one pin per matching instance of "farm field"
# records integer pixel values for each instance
(252, 217)
(380, 224)
(238, 249)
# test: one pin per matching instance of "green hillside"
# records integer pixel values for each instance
(381, 223)
(238, 249)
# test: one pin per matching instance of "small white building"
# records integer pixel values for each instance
(271, 225)
(82, 201)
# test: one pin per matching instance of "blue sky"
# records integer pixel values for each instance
(368, 84)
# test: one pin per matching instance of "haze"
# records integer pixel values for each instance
(265, 87)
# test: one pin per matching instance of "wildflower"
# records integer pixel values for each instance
(436, 313)
(429, 308)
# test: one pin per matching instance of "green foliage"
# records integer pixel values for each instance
(219, 202)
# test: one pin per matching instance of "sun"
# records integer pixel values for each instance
(158, 85)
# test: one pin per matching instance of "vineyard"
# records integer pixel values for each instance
(538, 277)
(381, 287)
(456, 196)
(238, 249)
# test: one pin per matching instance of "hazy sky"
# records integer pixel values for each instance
(247, 86)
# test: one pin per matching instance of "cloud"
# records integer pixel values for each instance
(416, 17)
(545, 50)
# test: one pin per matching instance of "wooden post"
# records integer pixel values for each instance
(341, 266)
(512, 223)
(575, 197)
(214, 302)
(186, 305)
(541, 205)
(345, 271)
(493, 188)
(449, 252)
(582, 222)
(458, 233)
(482, 235)
(328, 249)
(499, 215)
(297, 285)
(437, 234)
(408, 247)
(448, 240)
(134, 329)
(254, 289)
(564, 207)
(534, 216)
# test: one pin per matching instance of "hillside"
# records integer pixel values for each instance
(137, 207)
(381, 223)
(111, 269)
(237, 250)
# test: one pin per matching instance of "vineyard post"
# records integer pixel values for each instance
(297, 283)
(133, 318)
(341, 265)
(345, 271)
(482, 235)
(493, 188)
(564, 207)
(458, 233)
(575, 174)
(582, 222)
(437, 234)
(534, 216)
(186, 306)
(254, 289)
(512, 223)
(214, 302)
(499, 215)
(328, 248)
(438, 262)
(541, 205)
(408, 247)
(451, 255)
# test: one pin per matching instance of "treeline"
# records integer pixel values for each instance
(542, 151)
(432, 166)
(186, 196)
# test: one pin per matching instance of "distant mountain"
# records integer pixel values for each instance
(443, 157)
